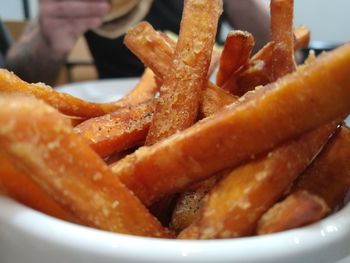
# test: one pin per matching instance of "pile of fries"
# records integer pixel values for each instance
(263, 150)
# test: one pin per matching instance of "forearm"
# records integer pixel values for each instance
(33, 57)
(252, 16)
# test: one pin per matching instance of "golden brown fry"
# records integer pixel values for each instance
(45, 147)
(72, 106)
(259, 70)
(329, 175)
(156, 50)
(128, 127)
(178, 104)
(297, 210)
(153, 48)
(258, 73)
(327, 180)
(65, 103)
(282, 35)
(180, 95)
(119, 130)
(302, 37)
(241, 198)
(214, 99)
(236, 53)
(188, 203)
(293, 105)
(21, 188)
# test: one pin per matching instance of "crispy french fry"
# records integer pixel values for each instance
(153, 48)
(128, 127)
(45, 147)
(65, 103)
(214, 99)
(329, 176)
(293, 105)
(178, 104)
(282, 35)
(172, 39)
(19, 187)
(72, 106)
(258, 73)
(326, 181)
(236, 53)
(241, 198)
(301, 37)
(119, 130)
(259, 70)
(298, 209)
(180, 95)
(188, 204)
(156, 50)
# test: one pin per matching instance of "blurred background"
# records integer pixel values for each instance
(328, 20)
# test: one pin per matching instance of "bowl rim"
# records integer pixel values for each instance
(333, 231)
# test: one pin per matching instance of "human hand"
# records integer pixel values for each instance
(63, 21)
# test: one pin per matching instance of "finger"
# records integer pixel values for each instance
(74, 9)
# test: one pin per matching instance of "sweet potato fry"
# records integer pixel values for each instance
(156, 50)
(293, 105)
(153, 48)
(188, 204)
(329, 176)
(282, 35)
(19, 187)
(128, 127)
(321, 189)
(298, 209)
(119, 130)
(236, 53)
(258, 73)
(301, 37)
(46, 149)
(178, 104)
(259, 70)
(65, 103)
(241, 198)
(214, 99)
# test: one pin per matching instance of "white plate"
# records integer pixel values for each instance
(31, 237)
(100, 90)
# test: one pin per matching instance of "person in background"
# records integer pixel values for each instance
(5, 42)
(46, 42)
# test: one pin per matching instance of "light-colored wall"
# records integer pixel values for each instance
(329, 20)
(11, 10)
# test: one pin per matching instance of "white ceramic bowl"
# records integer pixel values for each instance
(31, 237)
(28, 236)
